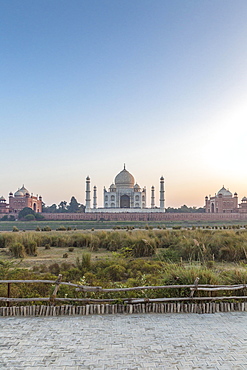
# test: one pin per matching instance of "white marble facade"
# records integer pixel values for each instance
(124, 195)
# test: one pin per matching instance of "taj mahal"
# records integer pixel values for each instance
(124, 195)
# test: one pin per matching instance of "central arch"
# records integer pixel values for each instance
(125, 201)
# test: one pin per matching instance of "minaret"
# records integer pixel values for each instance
(162, 194)
(152, 197)
(94, 197)
(88, 200)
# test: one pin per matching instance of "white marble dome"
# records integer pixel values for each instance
(224, 192)
(21, 192)
(124, 179)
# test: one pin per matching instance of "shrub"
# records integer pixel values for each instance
(65, 255)
(85, 263)
(65, 266)
(43, 268)
(210, 264)
(115, 272)
(61, 228)
(31, 248)
(2, 241)
(47, 246)
(71, 249)
(46, 228)
(143, 248)
(17, 250)
(54, 268)
(15, 229)
(29, 217)
(39, 217)
(169, 255)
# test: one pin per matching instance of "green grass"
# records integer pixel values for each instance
(88, 225)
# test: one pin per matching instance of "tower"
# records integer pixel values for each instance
(88, 200)
(152, 197)
(162, 194)
(94, 197)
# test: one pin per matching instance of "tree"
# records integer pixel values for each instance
(28, 214)
(29, 217)
(24, 212)
(185, 209)
(39, 217)
(52, 208)
(62, 207)
(73, 207)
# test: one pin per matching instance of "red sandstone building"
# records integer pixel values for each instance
(243, 206)
(222, 202)
(22, 198)
(4, 207)
(225, 202)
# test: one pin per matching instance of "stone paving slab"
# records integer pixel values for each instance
(149, 341)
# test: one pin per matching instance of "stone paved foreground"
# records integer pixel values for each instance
(150, 341)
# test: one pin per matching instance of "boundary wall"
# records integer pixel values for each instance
(146, 216)
(102, 309)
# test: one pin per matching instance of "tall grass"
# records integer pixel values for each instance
(172, 245)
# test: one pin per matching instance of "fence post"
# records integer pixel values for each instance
(8, 303)
(195, 288)
(53, 296)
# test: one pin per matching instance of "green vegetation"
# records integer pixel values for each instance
(28, 214)
(107, 225)
(185, 209)
(64, 207)
(123, 258)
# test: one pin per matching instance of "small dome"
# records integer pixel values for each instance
(24, 190)
(224, 192)
(136, 186)
(19, 193)
(124, 179)
(2, 199)
(113, 186)
(244, 199)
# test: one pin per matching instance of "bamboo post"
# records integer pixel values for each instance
(8, 303)
(53, 296)
(195, 287)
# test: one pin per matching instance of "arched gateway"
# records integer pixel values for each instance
(124, 201)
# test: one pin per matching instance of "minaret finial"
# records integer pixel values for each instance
(124, 166)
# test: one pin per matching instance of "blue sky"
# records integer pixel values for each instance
(87, 86)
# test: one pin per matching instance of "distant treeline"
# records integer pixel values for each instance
(185, 209)
(64, 207)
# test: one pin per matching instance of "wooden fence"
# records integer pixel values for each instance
(86, 306)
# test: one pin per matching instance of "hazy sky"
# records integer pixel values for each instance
(88, 85)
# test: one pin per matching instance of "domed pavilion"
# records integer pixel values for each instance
(222, 202)
(124, 195)
(22, 198)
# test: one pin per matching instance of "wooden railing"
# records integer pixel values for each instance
(52, 299)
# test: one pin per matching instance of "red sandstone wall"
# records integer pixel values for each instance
(147, 216)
